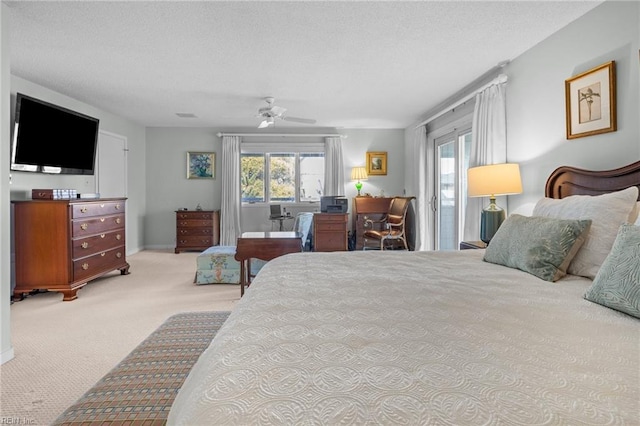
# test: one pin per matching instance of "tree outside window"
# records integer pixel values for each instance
(292, 177)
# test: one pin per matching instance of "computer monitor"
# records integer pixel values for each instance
(276, 211)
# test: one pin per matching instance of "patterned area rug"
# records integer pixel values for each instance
(141, 388)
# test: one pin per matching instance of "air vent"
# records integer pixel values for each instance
(186, 115)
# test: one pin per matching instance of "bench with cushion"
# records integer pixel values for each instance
(217, 265)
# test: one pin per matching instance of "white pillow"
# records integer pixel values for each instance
(607, 212)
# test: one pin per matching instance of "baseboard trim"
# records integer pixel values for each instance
(7, 355)
(159, 247)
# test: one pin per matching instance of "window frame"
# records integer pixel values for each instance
(267, 150)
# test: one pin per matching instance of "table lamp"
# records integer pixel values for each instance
(490, 181)
(358, 174)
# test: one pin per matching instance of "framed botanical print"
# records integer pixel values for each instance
(376, 163)
(591, 102)
(201, 165)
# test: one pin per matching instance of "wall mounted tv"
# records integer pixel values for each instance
(51, 139)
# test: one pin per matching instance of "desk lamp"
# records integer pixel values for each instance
(490, 181)
(358, 174)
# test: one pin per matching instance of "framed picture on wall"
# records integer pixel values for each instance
(376, 163)
(591, 102)
(201, 165)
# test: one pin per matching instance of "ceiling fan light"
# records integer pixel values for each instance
(264, 124)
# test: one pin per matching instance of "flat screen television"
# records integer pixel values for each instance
(48, 138)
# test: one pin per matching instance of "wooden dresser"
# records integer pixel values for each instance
(60, 245)
(330, 232)
(197, 229)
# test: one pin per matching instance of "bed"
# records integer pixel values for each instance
(428, 337)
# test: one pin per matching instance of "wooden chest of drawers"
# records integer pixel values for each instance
(197, 229)
(60, 245)
(330, 232)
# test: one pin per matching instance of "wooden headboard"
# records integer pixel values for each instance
(565, 181)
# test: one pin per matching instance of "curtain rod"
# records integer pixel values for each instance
(284, 135)
(502, 78)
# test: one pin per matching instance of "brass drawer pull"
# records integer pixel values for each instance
(103, 254)
(84, 226)
(118, 237)
(84, 209)
(117, 220)
(118, 255)
(85, 245)
(102, 219)
(85, 266)
(101, 235)
(102, 205)
(117, 206)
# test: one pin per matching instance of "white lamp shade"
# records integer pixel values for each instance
(494, 179)
(359, 173)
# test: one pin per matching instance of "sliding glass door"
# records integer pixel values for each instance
(451, 164)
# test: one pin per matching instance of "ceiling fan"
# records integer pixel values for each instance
(271, 112)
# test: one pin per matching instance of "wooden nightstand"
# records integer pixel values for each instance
(470, 245)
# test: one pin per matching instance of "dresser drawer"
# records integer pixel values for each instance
(97, 225)
(195, 215)
(88, 246)
(195, 241)
(97, 209)
(194, 231)
(193, 223)
(92, 265)
(330, 226)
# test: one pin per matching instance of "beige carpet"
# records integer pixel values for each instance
(64, 348)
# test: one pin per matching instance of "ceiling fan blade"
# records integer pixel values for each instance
(278, 111)
(299, 120)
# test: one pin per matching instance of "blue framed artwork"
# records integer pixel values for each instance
(201, 165)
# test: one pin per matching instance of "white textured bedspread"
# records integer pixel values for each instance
(420, 338)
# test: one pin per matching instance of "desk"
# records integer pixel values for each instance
(264, 246)
(280, 219)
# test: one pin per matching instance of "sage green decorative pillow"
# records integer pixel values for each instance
(541, 246)
(617, 284)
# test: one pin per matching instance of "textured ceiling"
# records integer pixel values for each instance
(345, 64)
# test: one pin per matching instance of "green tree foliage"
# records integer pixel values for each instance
(252, 177)
(282, 177)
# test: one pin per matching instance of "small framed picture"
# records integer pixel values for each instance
(591, 102)
(201, 165)
(376, 163)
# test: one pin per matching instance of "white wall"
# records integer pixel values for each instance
(536, 105)
(536, 101)
(6, 348)
(169, 189)
(24, 182)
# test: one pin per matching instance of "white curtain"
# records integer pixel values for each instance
(423, 181)
(230, 210)
(333, 167)
(488, 146)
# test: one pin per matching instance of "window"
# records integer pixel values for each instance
(281, 177)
